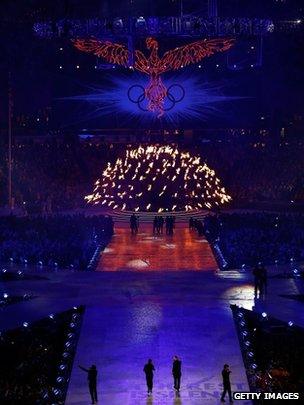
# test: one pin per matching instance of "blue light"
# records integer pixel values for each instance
(201, 101)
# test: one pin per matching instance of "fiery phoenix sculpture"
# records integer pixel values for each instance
(154, 66)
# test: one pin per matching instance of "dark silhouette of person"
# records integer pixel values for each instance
(257, 280)
(155, 222)
(191, 223)
(92, 381)
(177, 372)
(226, 383)
(264, 279)
(161, 224)
(134, 224)
(148, 370)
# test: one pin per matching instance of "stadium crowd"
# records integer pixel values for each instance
(276, 370)
(249, 238)
(56, 241)
(53, 175)
(30, 360)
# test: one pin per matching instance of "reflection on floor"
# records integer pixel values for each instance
(185, 250)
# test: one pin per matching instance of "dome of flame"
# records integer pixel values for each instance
(158, 178)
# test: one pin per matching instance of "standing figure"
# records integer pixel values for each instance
(134, 224)
(257, 281)
(92, 381)
(148, 370)
(155, 222)
(226, 383)
(177, 372)
(161, 224)
(264, 279)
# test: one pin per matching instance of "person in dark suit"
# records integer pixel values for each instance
(257, 281)
(177, 372)
(148, 370)
(264, 279)
(92, 381)
(226, 383)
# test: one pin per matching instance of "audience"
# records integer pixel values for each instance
(277, 370)
(30, 360)
(61, 240)
(53, 175)
(249, 238)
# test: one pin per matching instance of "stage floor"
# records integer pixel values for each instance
(133, 315)
(185, 250)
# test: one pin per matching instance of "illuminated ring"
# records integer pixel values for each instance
(140, 98)
(171, 97)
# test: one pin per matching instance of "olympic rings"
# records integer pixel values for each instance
(142, 96)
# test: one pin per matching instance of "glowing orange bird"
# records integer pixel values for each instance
(154, 66)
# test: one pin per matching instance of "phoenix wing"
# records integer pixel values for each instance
(194, 52)
(141, 62)
(111, 52)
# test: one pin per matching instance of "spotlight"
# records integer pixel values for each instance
(264, 314)
(199, 66)
(290, 323)
(25, 324)
(60, 67)
(140, 23)
(5, 295)
(247, 343)
(77, 66)
(4, 270)
(62, 367)
(118, 24)
(60, 380)
(217, 65)
(254, 366)
(57, 392)
(19, 272)
(51, 316)
(250, 354)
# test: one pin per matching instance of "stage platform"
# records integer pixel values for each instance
(185, 250)
(133, 315)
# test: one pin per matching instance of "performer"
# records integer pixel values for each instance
(92, 381)
(148, 370)
(226, 383)
(177, 372)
